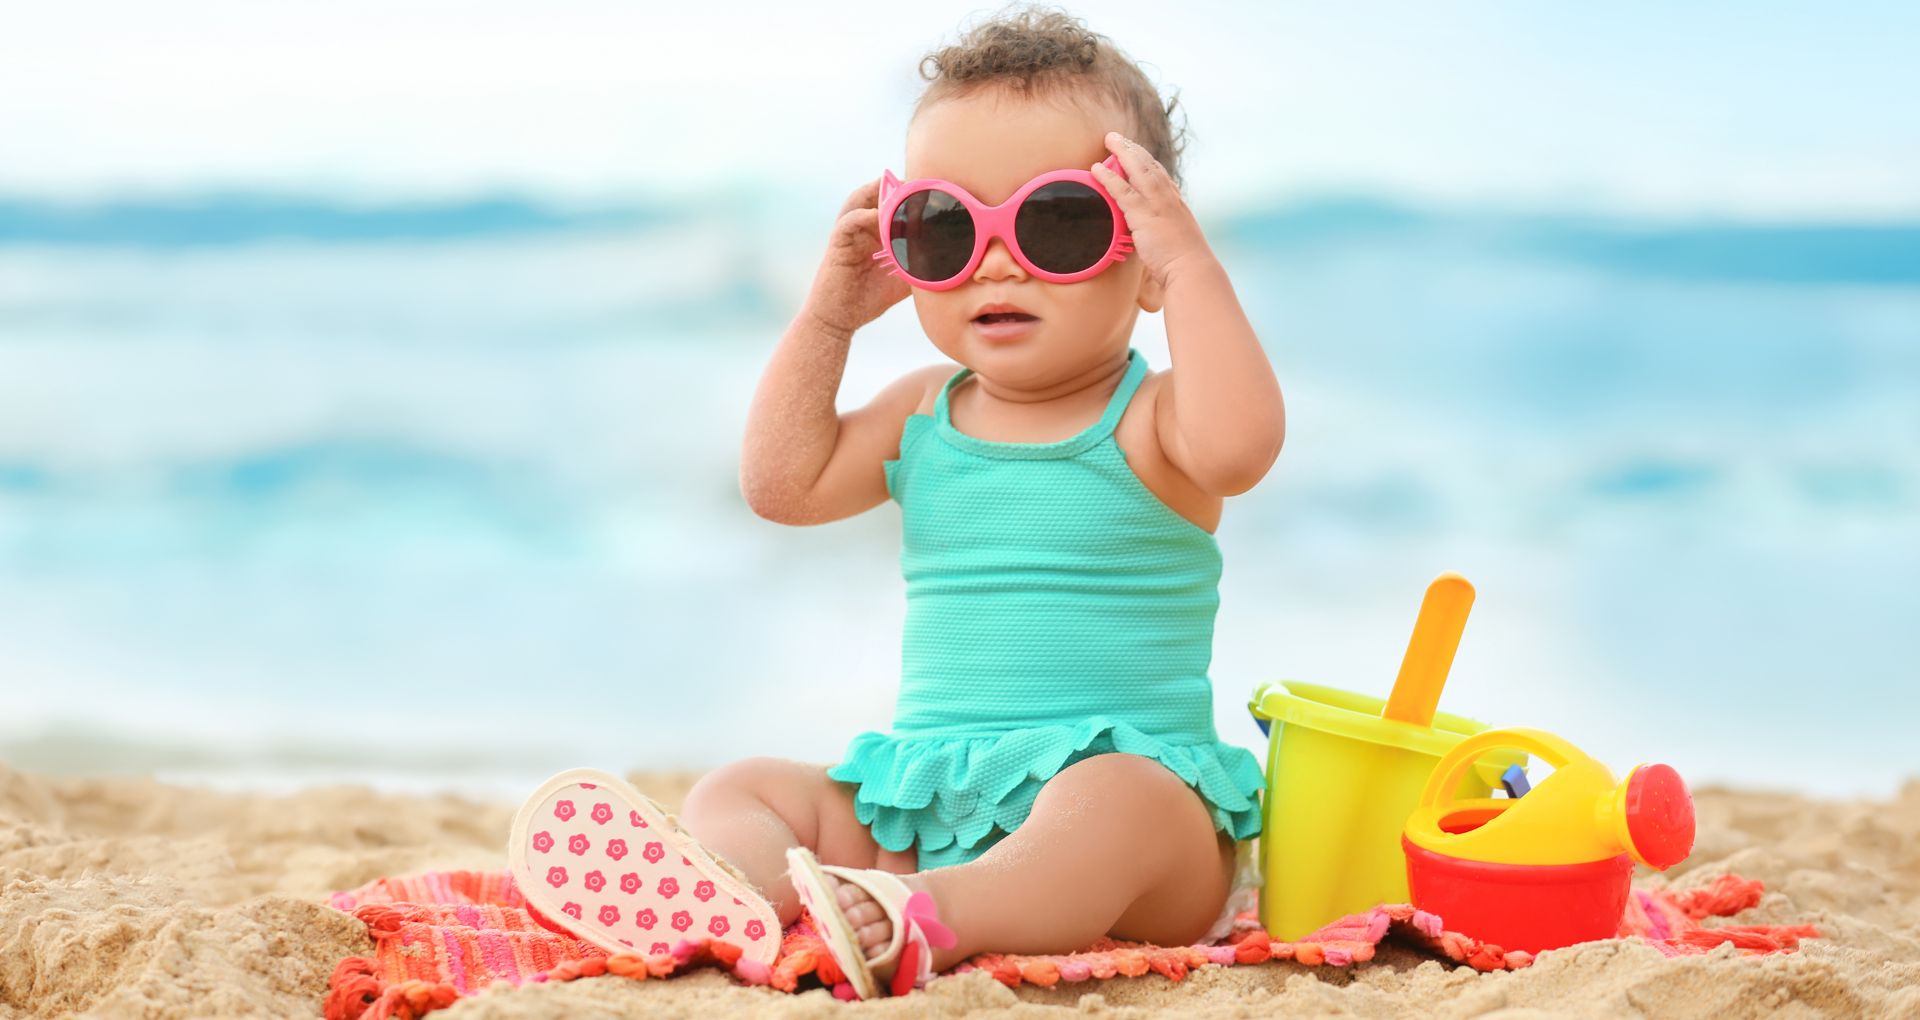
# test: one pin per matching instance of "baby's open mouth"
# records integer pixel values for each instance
(1005, 317)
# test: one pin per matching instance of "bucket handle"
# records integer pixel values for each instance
(1447, 775)
(1260, 719)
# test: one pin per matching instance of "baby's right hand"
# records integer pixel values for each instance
(852, 287)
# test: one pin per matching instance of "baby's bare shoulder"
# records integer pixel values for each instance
(928, 381)
(1143, 435)
(883, 419)
(854, 479)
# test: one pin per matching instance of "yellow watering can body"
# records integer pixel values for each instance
(1577, 814)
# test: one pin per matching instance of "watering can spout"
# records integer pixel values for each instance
(1652, 816)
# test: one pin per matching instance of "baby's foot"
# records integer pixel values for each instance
(869, 922)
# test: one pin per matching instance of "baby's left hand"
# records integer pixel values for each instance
(1165, 234)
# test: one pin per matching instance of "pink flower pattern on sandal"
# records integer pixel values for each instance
(619, 888)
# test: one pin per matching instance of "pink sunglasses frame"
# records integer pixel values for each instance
(991, 221)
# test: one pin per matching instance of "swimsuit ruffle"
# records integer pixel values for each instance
(947, 794)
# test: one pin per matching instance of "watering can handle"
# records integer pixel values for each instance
(1452, 769)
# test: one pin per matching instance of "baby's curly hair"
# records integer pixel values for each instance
(1039, 51)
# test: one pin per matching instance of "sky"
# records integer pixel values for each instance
(1769, 111)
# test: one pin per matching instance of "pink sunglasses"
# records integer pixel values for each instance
(1062, 227)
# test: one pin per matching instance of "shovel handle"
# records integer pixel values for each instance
(1436, 635)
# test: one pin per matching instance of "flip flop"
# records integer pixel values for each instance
(597, 858)
(916, 926)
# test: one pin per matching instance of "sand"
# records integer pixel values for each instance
(132, 898)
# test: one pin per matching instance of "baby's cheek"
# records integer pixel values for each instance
(930, 314)
(935, 319)
(1106, 305)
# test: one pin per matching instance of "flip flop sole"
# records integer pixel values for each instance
(596, 858)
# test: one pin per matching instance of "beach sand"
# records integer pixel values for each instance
(127, 897)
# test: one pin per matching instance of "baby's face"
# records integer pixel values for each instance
(991, 143)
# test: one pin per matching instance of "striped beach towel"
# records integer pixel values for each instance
(441, 935)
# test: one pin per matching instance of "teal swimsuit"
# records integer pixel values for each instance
(1056, 609)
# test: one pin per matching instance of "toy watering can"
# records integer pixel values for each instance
(1552, 866)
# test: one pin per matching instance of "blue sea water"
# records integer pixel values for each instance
(293, 490)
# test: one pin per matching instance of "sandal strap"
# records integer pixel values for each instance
(889, 893)
(911, 915)
(926, 932)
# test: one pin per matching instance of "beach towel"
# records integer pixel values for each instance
(442, 935)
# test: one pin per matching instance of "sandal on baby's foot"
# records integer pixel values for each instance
(597, 858)
(917, 930)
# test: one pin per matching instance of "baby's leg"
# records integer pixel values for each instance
(1115, 845)
(750, 811)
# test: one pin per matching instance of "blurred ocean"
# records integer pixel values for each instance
(296, 490)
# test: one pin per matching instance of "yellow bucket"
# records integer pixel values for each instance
(1341, 781)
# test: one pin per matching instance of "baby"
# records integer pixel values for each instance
(1052, 774)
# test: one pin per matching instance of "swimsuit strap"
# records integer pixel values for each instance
(1123, 394)
(1116, 407)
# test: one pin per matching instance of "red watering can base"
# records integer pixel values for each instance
(1530, 907)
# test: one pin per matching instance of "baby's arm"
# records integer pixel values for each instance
(803, 463)
(1218, 414)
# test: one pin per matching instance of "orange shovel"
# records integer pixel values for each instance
(1436, 636)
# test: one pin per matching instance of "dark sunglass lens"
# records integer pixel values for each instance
(932, 236)
(1064, 227)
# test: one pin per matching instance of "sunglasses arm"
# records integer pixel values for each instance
(894, 270)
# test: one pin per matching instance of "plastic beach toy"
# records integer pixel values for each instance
(1551, 867)
(1344, 770)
